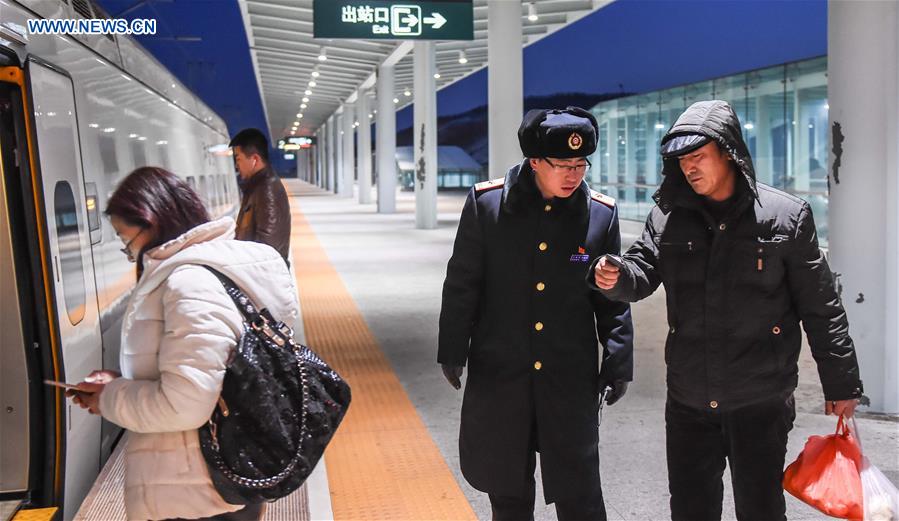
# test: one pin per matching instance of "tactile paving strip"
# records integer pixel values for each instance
(382, 463)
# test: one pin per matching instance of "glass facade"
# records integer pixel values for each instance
(783, 110)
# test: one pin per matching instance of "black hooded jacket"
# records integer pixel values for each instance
(737, 288)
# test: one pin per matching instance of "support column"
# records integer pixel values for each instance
(425, 135)
(319, 156)
(505, 93)
(300, 159)
(331, 154)
(338, 152)
(348, 159)
(862, 42)
(364, 130)
(386, 138)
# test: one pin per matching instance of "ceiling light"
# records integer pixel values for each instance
(298, 114)
(315, 73)
(407, 93)
(303, 106)
(296, 123)
(462, 58)
(301, 117)
(749, 126)
(371, 116)
(305, 100)
(396, 100)
(312, 83)
(436, 75)
(532, 12)
(308, 92)
(322, 56)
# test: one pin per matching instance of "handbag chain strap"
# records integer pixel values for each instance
(280, 334)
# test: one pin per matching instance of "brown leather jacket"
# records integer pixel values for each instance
(265, 212)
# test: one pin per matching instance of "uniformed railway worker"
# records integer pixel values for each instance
(516, 310)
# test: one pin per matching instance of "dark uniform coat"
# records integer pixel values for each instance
(517, 310)
(738, 287)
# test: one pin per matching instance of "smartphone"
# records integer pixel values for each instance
(61, 384)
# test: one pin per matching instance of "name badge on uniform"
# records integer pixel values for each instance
(580, 256)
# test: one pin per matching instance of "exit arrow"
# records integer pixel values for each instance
(411, 20)
(436, 20)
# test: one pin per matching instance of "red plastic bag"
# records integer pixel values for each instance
(826, 475)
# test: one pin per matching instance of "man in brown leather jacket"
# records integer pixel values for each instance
(264, 209)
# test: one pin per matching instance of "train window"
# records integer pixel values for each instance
(192, 182)
(137, 151)
(108, 154)
(69, 242)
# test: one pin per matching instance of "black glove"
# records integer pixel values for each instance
(452, 374)
(617, 388)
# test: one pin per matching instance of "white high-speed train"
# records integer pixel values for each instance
(77, 114)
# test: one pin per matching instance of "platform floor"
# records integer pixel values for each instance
(393, 274)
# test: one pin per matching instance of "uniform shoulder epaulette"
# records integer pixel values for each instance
(489, 185)
(600, 197)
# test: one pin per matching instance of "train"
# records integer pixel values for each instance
(77, 114)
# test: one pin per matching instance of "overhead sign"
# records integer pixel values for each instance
(296, 143)
(394, 20)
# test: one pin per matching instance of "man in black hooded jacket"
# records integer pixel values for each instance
(741, 267)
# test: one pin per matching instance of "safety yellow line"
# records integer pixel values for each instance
(382, 464)
(36, 514)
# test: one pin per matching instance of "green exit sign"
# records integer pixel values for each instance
(392, 20)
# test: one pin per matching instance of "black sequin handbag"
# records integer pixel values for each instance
(280, 405)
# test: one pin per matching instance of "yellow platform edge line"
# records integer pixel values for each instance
(35, 514)
(382, 463)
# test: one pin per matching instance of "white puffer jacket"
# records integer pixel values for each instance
(177, 333)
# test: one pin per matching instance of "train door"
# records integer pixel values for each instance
(69, 251)
(16, 395)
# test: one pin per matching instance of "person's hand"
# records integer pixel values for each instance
(103, 376)
(845, 408)
(606, 273)
(617, 388)
(452, 374)
(87, 396)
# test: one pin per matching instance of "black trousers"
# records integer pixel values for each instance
(752, 439)
(506, 508)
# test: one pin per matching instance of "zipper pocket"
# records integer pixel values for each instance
(688, 245)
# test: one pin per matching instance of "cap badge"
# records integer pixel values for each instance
(575, 141)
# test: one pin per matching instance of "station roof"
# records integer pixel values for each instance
(285, 54)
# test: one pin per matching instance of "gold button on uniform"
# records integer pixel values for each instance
(541, 286)
(537, 365)
(547, 208)
(543, 246)
(776, 330)
(722, 227)
(538, 326)
(713, 404)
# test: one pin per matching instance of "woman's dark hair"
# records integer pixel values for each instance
(159, 202)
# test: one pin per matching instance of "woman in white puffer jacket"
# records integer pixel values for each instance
(177, 333)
